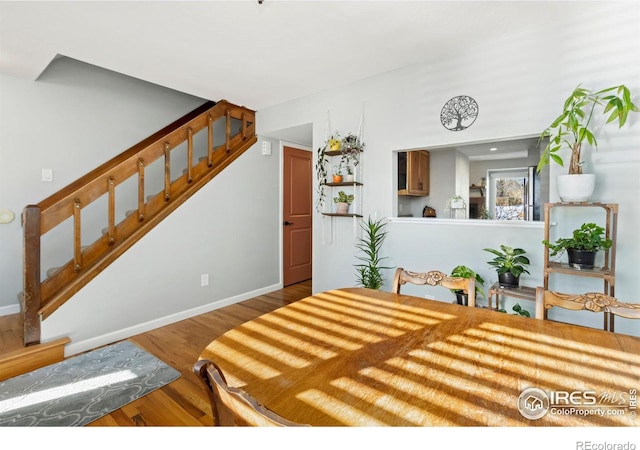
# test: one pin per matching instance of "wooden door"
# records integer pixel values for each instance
(297, 212)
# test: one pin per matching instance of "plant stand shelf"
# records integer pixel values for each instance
(521, 292)
(341, 215)
(607, 272)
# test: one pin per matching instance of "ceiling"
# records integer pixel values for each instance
(258, 55)
(254, 54)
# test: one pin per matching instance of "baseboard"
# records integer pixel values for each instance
(10, 310)
(89, 344)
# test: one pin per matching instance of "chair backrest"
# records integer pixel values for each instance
(591, 301)
(435, 278)
(232, 406)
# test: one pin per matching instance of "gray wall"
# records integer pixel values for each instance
(75, 117)
(520, 83)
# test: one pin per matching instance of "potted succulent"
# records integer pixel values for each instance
(582, 247)
(573, 126)
(342, 202)
(337, 173)
(510, 263)
(465, 272)
(369, 270)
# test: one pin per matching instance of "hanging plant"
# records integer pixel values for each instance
(322, 173)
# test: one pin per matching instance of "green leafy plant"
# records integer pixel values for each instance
(465, 272)
(509, 259)
(351, 146)
(368, 273)
(321, 167)
(571, 128)
(589, 237)
(343, 198)
(518, 309)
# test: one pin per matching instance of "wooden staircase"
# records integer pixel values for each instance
(227, 131)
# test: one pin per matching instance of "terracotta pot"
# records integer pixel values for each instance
(337, 178)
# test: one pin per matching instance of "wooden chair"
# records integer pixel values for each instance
(231, 406)
(435, 278)
(591, 301)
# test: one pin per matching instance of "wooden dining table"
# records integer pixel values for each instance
(360, 357)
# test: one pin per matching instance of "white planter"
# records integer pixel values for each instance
(349, 178)
(576, 188)
(342, 208)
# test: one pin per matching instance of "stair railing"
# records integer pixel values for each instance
(41, 298)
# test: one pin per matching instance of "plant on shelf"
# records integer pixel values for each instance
(574, 125)
(368, 273)
(518, 309)
(332, 143)
(350, 147)
(466, 272)
(342, 202)
(509, 263)
(582, 246)
(456, 202)
(337, 173)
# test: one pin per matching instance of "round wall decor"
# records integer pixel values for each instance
(459, 113)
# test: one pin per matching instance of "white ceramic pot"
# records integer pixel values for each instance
(342, 208)
(349, 178)
(576, 188)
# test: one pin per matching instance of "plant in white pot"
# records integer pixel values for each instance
(342, 202)
(571, 128)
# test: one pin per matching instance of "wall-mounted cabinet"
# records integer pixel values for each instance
(413, 173)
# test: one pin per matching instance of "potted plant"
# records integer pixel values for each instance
(368, 272)
(465, 272)
(573, 126)
(350, 147)
(331, 144)
(520, 311)
(510, 263)
(582, 247)
(342, 202)
(337, 173)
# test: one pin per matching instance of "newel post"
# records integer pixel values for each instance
(31, 275)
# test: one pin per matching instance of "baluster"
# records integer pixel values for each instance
(140, 190)
(77, 236)
(244, 126)
(228, 131)
(189, 154)
(111, 186)
(210, 141)
(32, 294)
(167, 171)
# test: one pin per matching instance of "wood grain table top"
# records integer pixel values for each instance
(359, 357)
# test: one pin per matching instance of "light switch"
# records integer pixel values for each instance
(266, 148)
(47, 174)
(6, 216)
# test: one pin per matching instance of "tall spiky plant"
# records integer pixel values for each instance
(369, 271)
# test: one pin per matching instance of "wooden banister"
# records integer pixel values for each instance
(41, 298)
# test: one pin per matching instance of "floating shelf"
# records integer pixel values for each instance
(341, 215)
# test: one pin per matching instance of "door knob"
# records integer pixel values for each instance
(287, 223)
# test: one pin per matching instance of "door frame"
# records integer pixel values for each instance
(282, 145)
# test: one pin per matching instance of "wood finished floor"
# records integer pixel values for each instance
(184, 402)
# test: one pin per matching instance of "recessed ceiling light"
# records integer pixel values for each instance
(493, 149)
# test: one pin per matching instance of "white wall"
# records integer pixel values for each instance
(74, 118)
(520, 83)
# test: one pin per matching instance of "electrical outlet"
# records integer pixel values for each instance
(204, 279)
